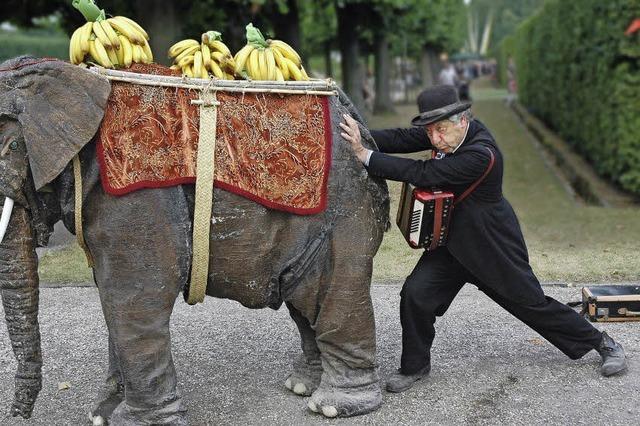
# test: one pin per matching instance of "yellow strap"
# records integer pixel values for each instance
(78, 210)
(205, 168)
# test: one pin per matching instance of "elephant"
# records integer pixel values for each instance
(319, 265)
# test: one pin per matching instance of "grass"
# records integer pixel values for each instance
(35, 43)
(567, 241)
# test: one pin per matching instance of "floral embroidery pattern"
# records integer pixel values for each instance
(274, 149)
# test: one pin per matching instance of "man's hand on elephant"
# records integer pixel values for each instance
(351, 134)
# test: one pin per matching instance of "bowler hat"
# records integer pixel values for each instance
(437, 103)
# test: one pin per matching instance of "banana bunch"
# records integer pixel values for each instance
(262, 59)
(113, 42)
(278, 61)
(198, 59)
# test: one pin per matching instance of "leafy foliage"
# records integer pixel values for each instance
(578, 72)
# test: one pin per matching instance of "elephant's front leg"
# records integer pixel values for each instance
(307, 369)
(138, 322)
(112, 392)
(141, 246)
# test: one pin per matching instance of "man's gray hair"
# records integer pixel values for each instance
(455, 118)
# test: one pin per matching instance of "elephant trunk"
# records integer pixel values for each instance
(19, 290)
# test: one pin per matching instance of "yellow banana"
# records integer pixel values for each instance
(113, 56)
(127, 51)
(219, 46)
(305, 76)
(99, 54)
(187, 60)
(242, 56)
(271, 63)
(180, 46)
(294, 71)
(215, 69)
(279, 76)
(187, 52)
(228, 76)
(262, 61)
(120, 54)
(217, 56)
(137, 53)
(85, 36)
(206, 54)
(287, 51)
(204, 73)
(75, 52)
(188, 71)
(253, 66)
(101, 35)
(110, 32)
(174, 67)
(284, 69)
(135, 26)
(124, 28)
(197, 63)
(147, 51)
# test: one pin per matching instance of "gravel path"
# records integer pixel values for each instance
(487, 367)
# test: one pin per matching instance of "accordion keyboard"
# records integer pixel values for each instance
(416, 222)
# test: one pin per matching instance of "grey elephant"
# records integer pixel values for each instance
(320, 266)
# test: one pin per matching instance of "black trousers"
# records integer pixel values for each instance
(435, 282)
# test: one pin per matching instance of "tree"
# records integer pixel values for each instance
(431, 29)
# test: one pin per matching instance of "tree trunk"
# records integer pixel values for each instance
(287, 25)
(429, 66)
(162, 23)
(382, 99)
(19, 289)
(348, 42)
(328, 64)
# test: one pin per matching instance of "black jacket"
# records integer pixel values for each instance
(484, 235)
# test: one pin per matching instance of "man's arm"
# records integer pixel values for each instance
(413, 139)
(462, 169)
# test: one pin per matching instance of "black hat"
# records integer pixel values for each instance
(437, 103)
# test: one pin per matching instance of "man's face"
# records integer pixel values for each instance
(446, 135)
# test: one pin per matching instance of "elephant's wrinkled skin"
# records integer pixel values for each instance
(319, 265)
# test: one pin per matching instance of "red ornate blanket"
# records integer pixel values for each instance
(273, 149)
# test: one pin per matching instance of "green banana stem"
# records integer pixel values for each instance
(255, 37)
(89, 10)
(210, 36)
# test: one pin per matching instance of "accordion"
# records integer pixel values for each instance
(424, 216)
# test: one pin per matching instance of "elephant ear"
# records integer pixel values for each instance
(59, 106)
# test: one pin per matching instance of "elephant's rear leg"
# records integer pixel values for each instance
(307, 369)
(340, 314)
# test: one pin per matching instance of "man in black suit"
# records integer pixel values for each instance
(485, 245)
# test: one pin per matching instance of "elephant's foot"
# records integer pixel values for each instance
(305, 377)
(345, 402)
(169, 413)
(107, 401)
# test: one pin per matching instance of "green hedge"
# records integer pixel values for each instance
(14, 44)
(580, 74)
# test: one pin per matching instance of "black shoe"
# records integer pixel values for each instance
(399, 382)
(613, 359)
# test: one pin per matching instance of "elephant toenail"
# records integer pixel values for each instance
(312, 406)
(299, 389)
(329, 411)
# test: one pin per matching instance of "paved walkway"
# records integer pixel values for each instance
(487, 367)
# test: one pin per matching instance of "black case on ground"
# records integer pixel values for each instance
(611, 303)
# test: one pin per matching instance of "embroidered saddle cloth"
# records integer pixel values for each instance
(271, 148)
